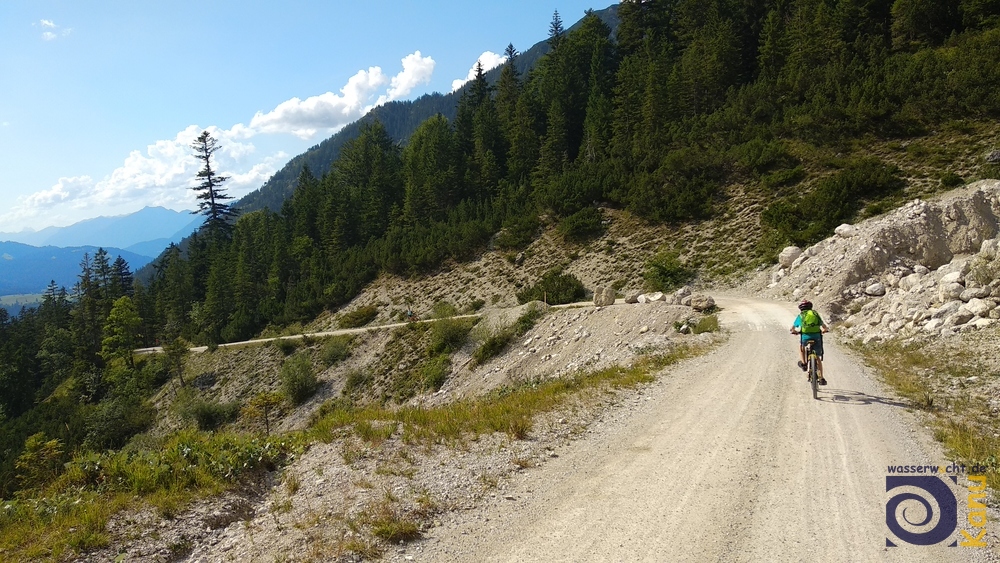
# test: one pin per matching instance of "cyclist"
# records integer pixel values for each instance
(811, 326)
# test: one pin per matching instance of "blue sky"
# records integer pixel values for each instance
(100, 100)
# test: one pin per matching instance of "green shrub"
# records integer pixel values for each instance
(448, 335)
(358, 317)
(664, 272)
(495, 343)
(582, 225)
(443, 309)
(114, 421)
(435, 371)
(951, 180)
(287, 346)
(780, 178)
(708, 323)
(759, 156)
(555, 288)
(336, 349)
(491, 347)
(527, 320)
(298, 379)
(518, 231)
(207, 414)
(356, 380)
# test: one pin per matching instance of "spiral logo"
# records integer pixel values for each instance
(917, 511)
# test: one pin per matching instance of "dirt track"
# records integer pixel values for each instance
(728, 459)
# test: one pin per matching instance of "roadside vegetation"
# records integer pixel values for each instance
(63, 508)
(926, 378)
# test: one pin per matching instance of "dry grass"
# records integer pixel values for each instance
(925, 378)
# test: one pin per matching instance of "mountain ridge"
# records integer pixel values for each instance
(117, 231)
(26, 269)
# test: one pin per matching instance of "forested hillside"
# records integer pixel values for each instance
(400, 119)
(688, 98)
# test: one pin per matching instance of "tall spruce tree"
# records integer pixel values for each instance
(211, 195)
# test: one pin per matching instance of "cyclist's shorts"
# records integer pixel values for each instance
(816, 337)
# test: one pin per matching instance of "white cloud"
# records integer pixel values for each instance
(417, 70)
(489, 60)
(329, 112)
(52, 35)
(304, 118)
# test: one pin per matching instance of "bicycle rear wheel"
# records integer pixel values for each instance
(813, 377)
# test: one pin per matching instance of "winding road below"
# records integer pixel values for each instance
(729, 458)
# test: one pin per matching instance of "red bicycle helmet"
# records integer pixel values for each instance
(805, 305)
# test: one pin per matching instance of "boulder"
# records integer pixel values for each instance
(921, 269)
(686, 300)
(632, 298)
(947, 309)
(875, 290)
(604, 296)
(950, 291)
(933, 325)
(975, 293)
(983, 323)
(959, 318)
(953, 277)
(789, 255)
(846, 231)
(978, 307)
(656, 296)
(989, 248)
(909, 282)
(701, 302)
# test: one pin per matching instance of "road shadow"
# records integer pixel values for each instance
(849, 397)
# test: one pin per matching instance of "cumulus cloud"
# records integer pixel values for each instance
(417, 70)
(329, 112)
(304, 118)
(489, 60)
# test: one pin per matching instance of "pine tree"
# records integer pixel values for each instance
(211, 195)
(121, 279)
(556, 31)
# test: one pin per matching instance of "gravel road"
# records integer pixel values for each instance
(728, 459)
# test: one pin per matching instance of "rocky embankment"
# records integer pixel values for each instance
(927, 269)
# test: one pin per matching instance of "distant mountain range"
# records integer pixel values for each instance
(26, 269)
(147, 231)
(29, 260)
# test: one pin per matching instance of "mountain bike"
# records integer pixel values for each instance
(811, 359)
